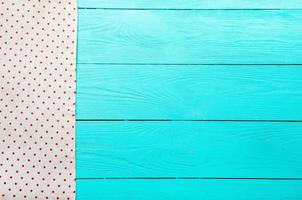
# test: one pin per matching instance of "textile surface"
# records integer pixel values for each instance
(37, 99)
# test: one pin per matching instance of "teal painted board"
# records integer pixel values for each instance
(188, 189)
(189, 92)
(189, 149)
(191, 4)
(190, 37)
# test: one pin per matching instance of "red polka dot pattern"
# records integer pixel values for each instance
(37, 99)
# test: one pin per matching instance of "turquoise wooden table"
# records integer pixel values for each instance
(195, 99)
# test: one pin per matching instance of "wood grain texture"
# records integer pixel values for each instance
(191, 4)
(189, 92)
(188, 189)
(190, 37)
(189, 149)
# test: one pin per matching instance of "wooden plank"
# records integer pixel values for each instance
(189, 149)
(189, 92)
(192, 4)
(190, 37)
(189, 189)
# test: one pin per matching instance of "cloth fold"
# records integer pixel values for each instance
(37, 99)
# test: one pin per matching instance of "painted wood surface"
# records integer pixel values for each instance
(191, 4)
(189, 189)
(190, 37)
(189, 92)
(126, 51)
(189, 149)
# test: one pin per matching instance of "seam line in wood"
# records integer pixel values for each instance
(182, 64)
(193, 120)
(188, 178)
(192, 9)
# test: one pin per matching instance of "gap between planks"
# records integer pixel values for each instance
(192, 9)
(186, 64)
(188, 178)
(175, 120)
